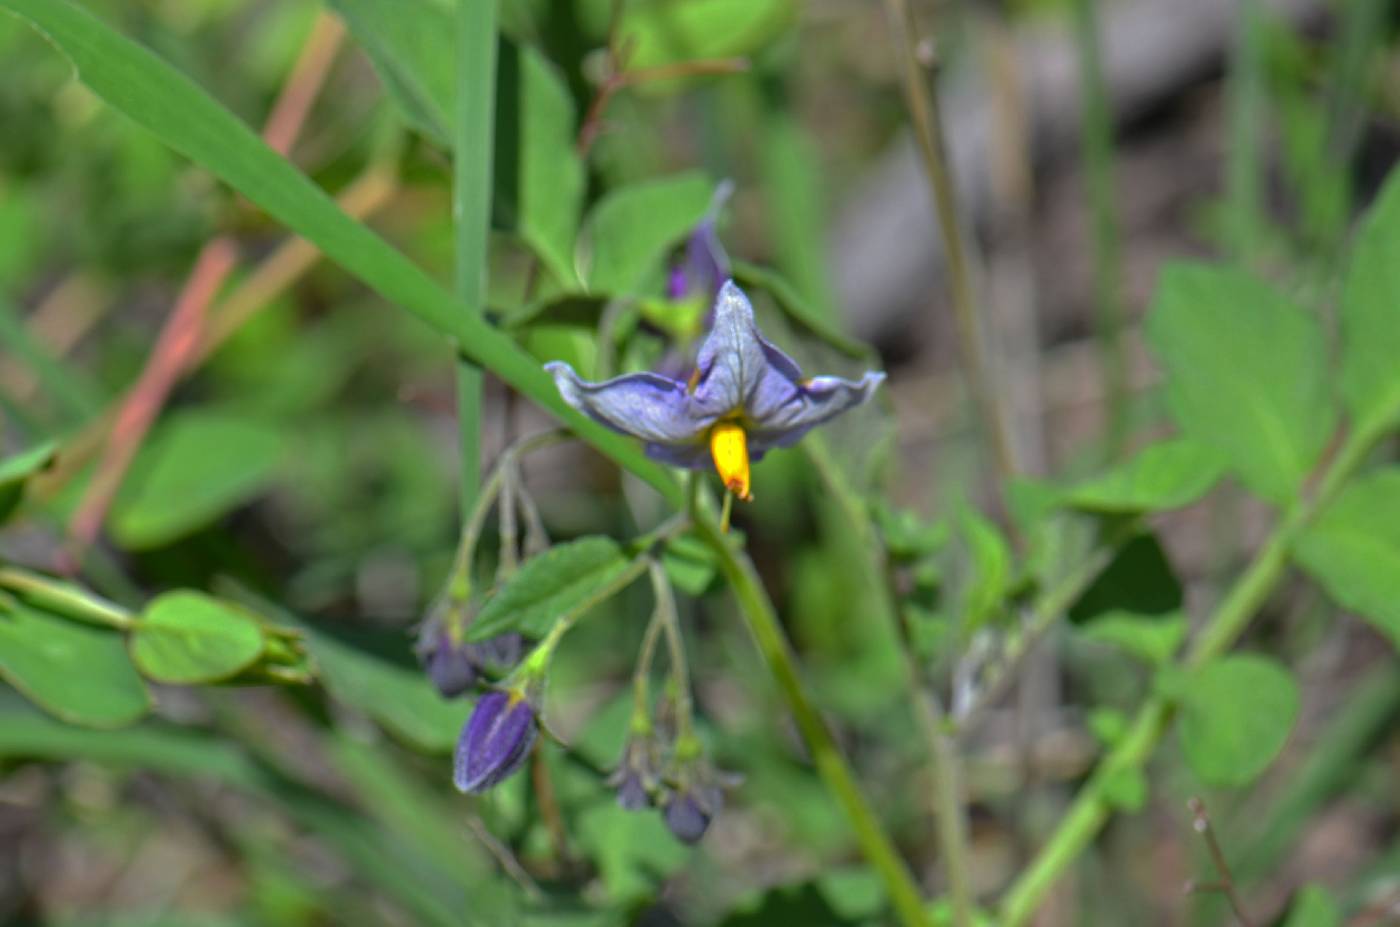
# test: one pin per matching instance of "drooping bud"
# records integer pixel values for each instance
(636, 777)
(455, 667)
(688, 812)
(495, 741)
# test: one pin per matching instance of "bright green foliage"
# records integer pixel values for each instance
(631, 229)
(411, 45)
(16, 470)
(1246, 374)
(1236, 714)
(1353, 550)
(988, 570)
(690, 564)
(1162, 476)
(195, 468)
(666, 32)
(188, 637)
(1370, 374)
(561, 579)
(78, 673)
(1314, 906)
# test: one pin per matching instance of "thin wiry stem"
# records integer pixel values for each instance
(1226, 886)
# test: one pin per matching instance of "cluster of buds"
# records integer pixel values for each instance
(678, 781)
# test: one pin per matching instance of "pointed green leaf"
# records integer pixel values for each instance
(1236, 715)
(78, 673)
(1353, 550)
(988, 573)
(187, 637)
(196, 467)
(1246, 374)
(666, 31)
(1135, 603)
(557, 581)
(1163, 476)
(631, 229)
(1370, 314)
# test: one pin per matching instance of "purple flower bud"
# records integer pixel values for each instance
(495, 741)
(636, 776)
(677, 286)
(452, 669)
(688, 813)
(632, 794)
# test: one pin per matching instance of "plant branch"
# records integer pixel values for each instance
(1226, 886)
(1092, 806)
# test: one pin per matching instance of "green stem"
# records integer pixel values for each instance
(1091, 808)
(763, 624)
(680, 670)
(928, 125)
(471, 207)
(1096, 140)
(66, 599)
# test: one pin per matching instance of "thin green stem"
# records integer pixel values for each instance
(1096, 142)
(471, 207)
(928, 128)
(65, 598)
(1092, 806)
(762, 622)
(641, 676)
(680, 670)
(1244, 181)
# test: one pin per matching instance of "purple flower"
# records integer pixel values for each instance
(495, 741)
(705, 267)
(744, 398)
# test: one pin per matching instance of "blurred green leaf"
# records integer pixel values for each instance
(670, 31)
(77, 672)
(1370, 314)
(631, 229)
(549, 171)
(16, 470)
(1314, 906)
(690, 563)
(988, 570)
(1246, 374)
(1135, 603)
(188, 637)
(1126, 789)
(1236, 715)
(412, 46)
(557, 581)
(1163, 476)
(195, 468)
(1353, 550)
(161, 99)
(634, 852)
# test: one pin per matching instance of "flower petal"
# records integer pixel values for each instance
(732, 360)
(693, 456)
(787, 416)
(644, 405)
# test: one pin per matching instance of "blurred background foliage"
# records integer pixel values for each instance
(300, 481)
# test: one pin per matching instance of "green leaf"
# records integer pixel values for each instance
(165, 102)
(188, 637)
(1314, 906)
(988, 572)
(1370, 315)
(412, 46)
(1163, 476)
(550, 173)
(1135, 603)
(78, 673)
(196, 467)
(1246, 374)
(16, 470)
(669, 31)
(1353, 550)
(630, 230)
(690, 563)
(557, 581)
(1236, 714)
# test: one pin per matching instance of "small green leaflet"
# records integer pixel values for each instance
(559, 580)
(1236, 715)
(188, 637)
